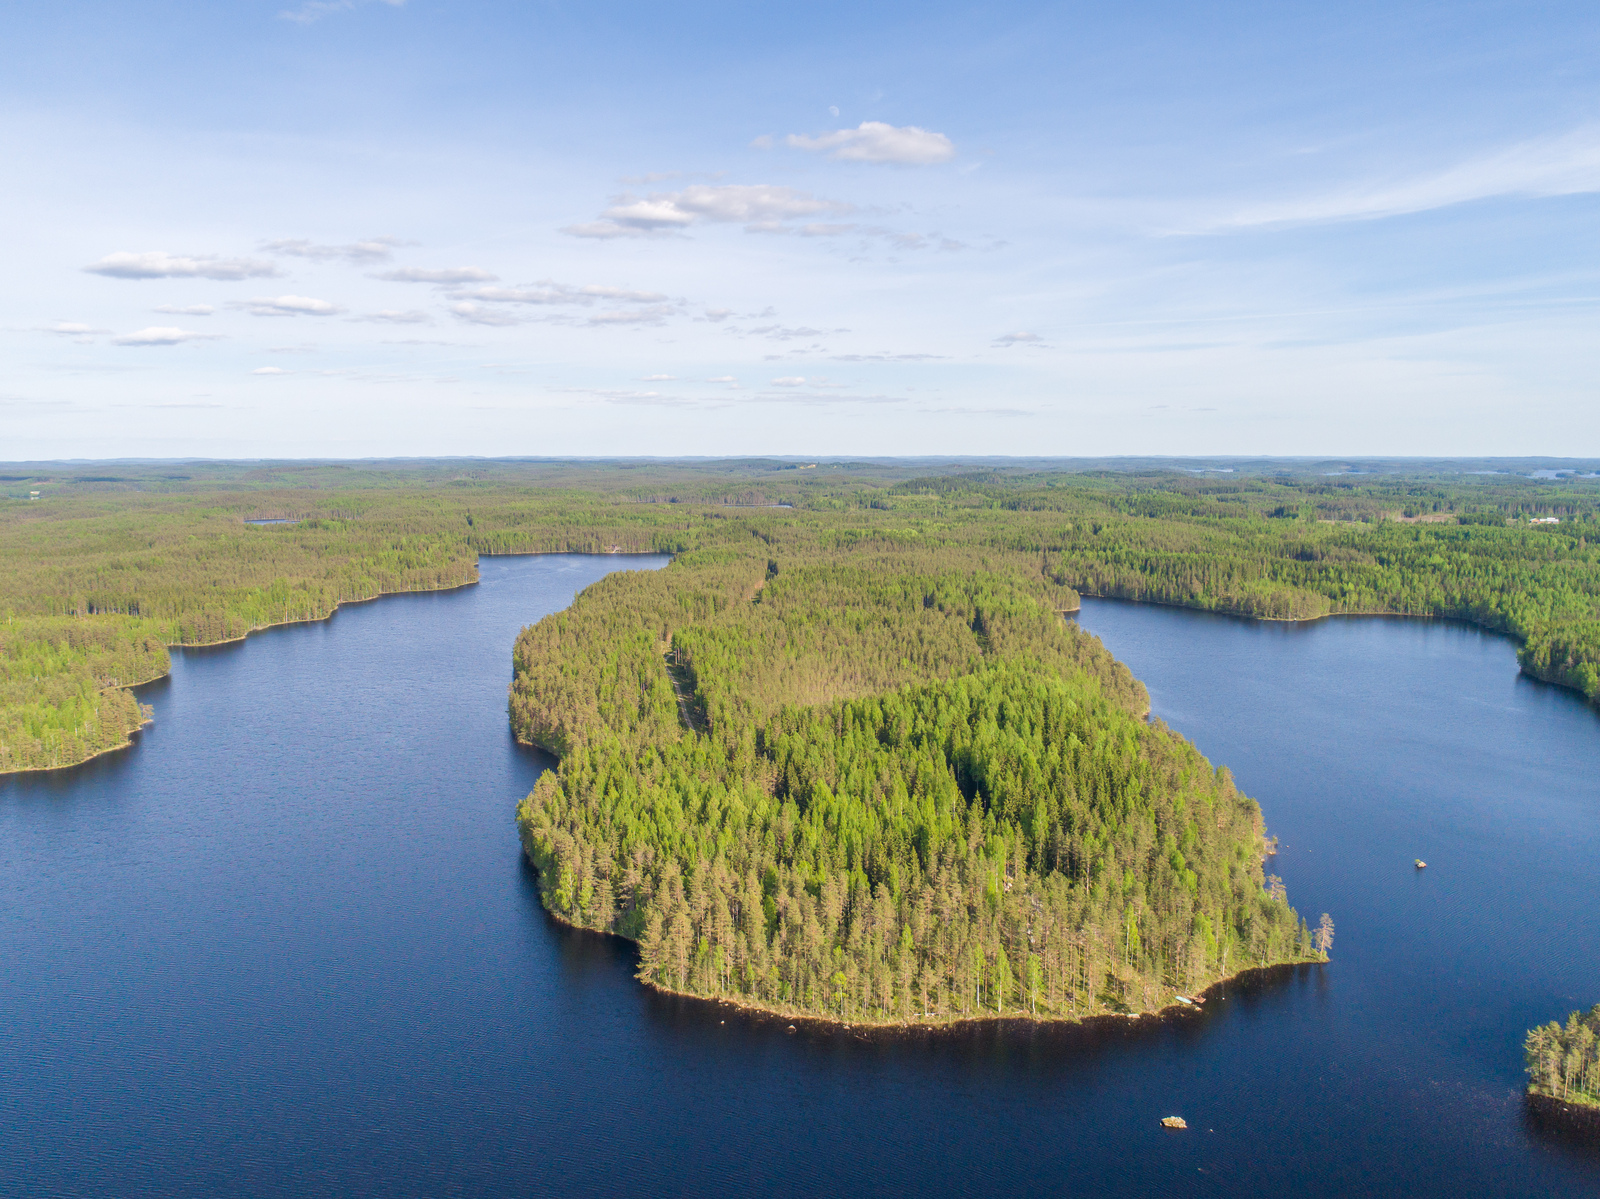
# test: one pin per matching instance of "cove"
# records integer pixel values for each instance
(286, 945)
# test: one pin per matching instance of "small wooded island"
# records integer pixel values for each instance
(1564, 1065)
(882, 786)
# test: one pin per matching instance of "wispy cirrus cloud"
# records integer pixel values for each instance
(158, 264)
(449, 276)
(876, 141)
(760, 207)
(184, 309)
(162, 336)
(1561, 165)
(1019, 339)
(372, 249)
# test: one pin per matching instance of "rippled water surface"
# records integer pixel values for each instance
(286, 946)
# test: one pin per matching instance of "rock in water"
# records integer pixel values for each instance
(1174, 1122)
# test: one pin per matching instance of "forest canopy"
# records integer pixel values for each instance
(1564, 1060)
(881, 786)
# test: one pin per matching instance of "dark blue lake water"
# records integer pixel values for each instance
(286, 945)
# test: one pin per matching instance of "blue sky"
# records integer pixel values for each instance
(374, 228)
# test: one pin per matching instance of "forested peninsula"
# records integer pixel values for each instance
(881, 785)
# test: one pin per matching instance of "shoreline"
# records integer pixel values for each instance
(947, 1023)
(796, 1017)
(281, 624)
(181, 645)
(127, 743)
(1563, 1113)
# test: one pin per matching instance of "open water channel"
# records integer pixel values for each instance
(286, 945)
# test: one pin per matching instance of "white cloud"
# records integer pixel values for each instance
(549, 292)
(1564, 165)
(600, 230)
(291, 306)
(887, 357)
(72, 329)
(723, 379)
(752, 202)
(1018, 339)
(516, 295)
(790, 381)
(445, 275)
(875, 141)
(162, 336)
(373, 249)
(643, 316)
(718, 314)
(270, 370)
(786, 332)
(158, 264)
(184, 309)
(396, 316)
(477, 314)
(600, 291)
(658, 378)
(761, 207)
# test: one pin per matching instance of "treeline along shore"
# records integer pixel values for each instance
(112, 564)
(1564, 1069)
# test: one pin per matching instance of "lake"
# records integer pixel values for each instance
(286, 945)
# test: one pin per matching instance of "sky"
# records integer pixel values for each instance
(372, 228)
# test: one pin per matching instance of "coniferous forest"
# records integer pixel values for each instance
(882, 787)
(1564, 1060)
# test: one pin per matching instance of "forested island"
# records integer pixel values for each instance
(1564, 1065)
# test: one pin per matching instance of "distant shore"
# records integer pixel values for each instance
(1548, 678)
(172, 645)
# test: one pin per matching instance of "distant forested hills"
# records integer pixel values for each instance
(114, 562)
